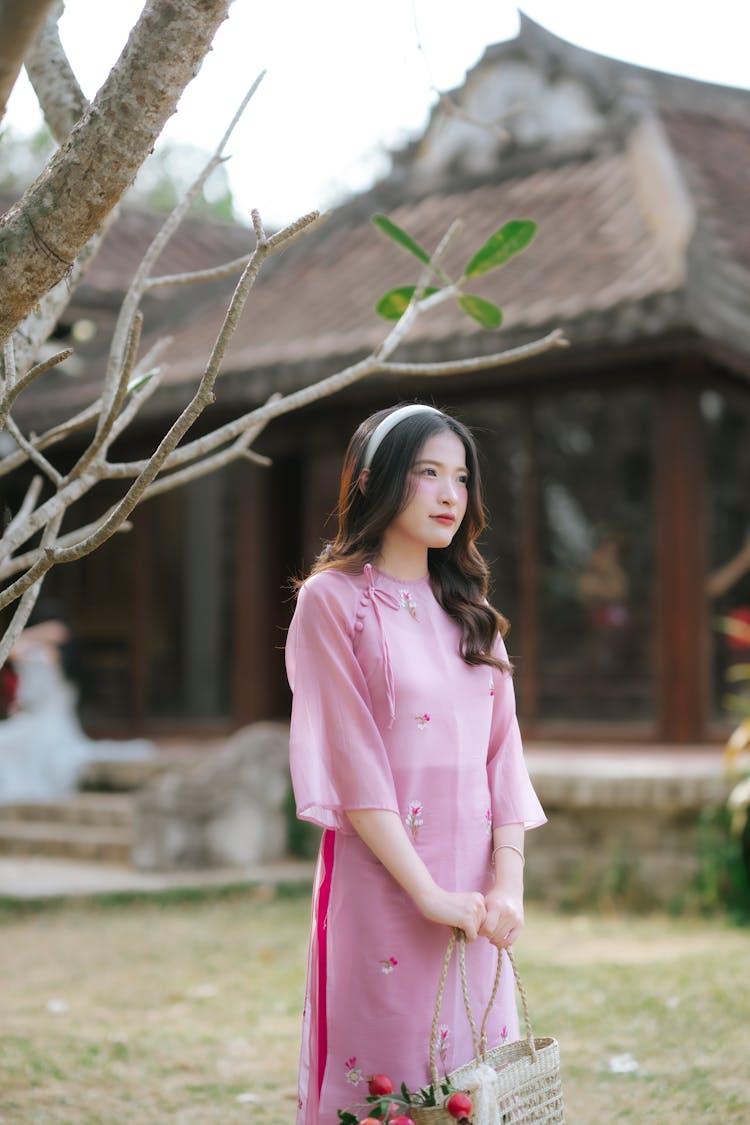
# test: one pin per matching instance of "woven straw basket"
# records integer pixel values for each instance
(527, 1073)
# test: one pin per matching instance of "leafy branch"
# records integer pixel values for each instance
(513, 237)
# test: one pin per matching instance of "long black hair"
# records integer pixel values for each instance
(458, 572)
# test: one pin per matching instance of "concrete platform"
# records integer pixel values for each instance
(26, 879)
(602, 801)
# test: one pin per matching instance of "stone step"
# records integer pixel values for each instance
(58, 838)
(111, 810)
(123, 774)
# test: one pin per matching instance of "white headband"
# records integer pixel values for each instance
(383, 428)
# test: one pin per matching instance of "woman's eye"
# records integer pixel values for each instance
(463, 479)
(428, 472)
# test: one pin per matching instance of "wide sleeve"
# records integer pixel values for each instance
(337, 757)
(513, 798)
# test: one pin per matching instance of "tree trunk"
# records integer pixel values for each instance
(41, 235)
(20, 20)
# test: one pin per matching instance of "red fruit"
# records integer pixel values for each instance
(401, 1120)
(459, 1106)
(370, 1121)
(379, 1085)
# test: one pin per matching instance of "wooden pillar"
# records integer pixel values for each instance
(680, 540)
(139, 542)
(251, 688)
(528, 577)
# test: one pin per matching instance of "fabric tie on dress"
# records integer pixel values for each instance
(375, 596)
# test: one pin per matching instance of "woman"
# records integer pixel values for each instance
(405, 749)
(44, 751)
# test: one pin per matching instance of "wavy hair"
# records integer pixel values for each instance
(458, 573)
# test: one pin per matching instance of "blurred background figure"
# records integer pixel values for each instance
(603, 588)
(43, 748)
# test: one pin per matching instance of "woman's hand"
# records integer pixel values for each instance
(504, 919)
(462, 909)
(384, 834)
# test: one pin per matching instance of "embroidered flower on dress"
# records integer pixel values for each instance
(388, 964)
(441, 1042)
(422, 720)
(407, 602)
(504, 1033)
(492, 686)
(488, 822)
(413, 818)
(353, 1072)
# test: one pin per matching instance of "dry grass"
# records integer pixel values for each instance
(171, 1011)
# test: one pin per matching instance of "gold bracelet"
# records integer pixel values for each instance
(513, 848)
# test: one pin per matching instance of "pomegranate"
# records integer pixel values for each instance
(379, 1085)
(459, 1106)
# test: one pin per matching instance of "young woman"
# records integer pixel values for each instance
(405, 749)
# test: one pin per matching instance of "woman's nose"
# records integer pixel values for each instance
(449, 492)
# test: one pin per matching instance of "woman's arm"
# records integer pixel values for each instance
(504, 920)
(386, 837)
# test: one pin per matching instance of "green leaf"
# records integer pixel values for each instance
(394, 231)
(511, 239)
(393, 305)
(487, 314)
(141, 380)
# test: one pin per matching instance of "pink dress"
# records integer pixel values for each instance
(387, 715)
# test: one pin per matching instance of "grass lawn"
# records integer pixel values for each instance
(188, 1011)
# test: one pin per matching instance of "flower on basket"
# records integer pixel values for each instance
(385, 1104)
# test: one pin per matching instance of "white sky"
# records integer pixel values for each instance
(346, 78)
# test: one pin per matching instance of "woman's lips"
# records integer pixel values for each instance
(444, 519)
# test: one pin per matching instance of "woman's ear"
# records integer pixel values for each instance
(364, 476)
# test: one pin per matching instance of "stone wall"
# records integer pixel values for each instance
(622, 830)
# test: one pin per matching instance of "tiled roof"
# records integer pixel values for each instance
(602, 266)
(715, 155)
(199, 244)
(594, 250)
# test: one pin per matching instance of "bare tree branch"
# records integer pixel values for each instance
(555, 339)
(23, 562)
(61, 99)
(27, 505)
(145, 381)
(42, 234)
(28, 601)
(21, 384)
(103, 435)
(33, 454)
(137, 286)
(197, 276)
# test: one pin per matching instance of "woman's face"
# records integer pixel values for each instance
(437, 487)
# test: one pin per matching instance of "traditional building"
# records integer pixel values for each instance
(617, 470)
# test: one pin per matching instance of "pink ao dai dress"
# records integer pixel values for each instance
(387, 715)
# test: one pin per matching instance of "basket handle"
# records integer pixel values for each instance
(479, 1038)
